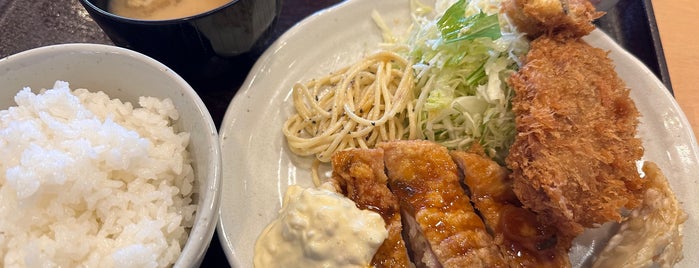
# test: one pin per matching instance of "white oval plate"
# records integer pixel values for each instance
(258, 167)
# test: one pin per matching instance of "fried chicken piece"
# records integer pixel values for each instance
(574, 155)
(524, 239)
(444, 230)
(562, 18)
(652, 235)
(359, 175)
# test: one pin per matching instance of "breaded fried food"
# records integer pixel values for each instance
(359, 175)
(652, 235)
(562, 18)
(524, 238)
(443, 228)
(574, 155)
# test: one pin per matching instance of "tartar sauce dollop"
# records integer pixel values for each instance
(318, 227)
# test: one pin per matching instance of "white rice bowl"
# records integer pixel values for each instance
(89, 179)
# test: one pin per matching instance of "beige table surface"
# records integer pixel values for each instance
(678, 25)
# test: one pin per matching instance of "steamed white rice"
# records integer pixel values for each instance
(90, 181)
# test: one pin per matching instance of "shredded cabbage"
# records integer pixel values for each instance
(462, 60)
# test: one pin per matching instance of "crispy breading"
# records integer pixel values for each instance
(445, 231)
(561, 18)
(359, 175)
(524, 238)
(652, 234)
(574, 156)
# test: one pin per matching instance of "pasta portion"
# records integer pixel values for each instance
(356, 107)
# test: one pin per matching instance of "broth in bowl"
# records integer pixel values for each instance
(162, 9)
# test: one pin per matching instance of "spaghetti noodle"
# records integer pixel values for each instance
(355, 107)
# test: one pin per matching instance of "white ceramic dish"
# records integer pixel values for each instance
(259, 167)
(126, 75)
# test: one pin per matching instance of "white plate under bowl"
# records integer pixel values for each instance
(258, 167)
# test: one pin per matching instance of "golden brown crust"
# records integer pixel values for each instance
(524, 239)
(424, 178)
(651, 236)
(359, 175)
(574, 156)
(561, 18)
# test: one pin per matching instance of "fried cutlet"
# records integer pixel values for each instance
(443, 228)
(562, 18)
(574, 156)
(524, 239)
(652, 234)
(359, 175)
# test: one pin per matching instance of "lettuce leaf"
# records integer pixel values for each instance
(455, 26)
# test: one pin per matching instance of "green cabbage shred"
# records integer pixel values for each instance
(462, 61)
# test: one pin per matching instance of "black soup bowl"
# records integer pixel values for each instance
(196, 46)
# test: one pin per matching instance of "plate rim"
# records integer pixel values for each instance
(266, 59)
